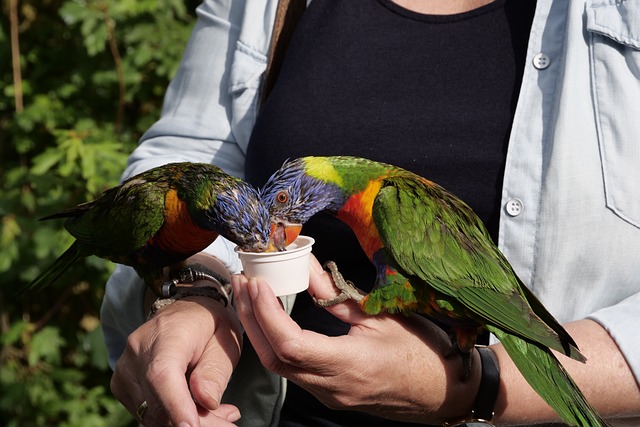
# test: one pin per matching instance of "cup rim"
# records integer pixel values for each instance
(309, 241)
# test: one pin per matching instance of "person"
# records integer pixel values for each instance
(524, 109)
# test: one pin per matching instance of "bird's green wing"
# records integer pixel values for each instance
(436, 237)
(128, 216)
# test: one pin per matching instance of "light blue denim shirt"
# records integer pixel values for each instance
(570, 224)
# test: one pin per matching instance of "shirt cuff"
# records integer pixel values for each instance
(621, 321)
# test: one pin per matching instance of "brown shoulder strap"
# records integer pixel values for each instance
(288, 14)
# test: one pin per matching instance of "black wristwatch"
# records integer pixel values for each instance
(482, 412)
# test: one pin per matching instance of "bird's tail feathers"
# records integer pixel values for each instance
(567, 345)
(550, 380)
(71, 212)
(51, 273)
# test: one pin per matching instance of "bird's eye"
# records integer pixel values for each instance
(282, 197)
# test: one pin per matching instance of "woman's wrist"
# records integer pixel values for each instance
(459, 405)
(486, 396)
(204, 271)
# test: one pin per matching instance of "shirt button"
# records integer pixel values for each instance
(541, 61)
(514, 207)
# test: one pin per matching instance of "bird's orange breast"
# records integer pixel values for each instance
(357, 214)
(179, 234)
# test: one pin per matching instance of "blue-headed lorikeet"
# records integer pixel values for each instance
(161, 217)
(433, 256)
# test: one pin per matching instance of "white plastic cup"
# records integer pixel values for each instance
(287, 272)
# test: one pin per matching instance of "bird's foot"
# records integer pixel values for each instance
(467, 364)
(466, 355)
(193, 272)
(346, 287)
(158, 304)
(220, 290)
(467, 360)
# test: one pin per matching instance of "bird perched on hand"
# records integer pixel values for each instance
(433, 256)
(160, 218)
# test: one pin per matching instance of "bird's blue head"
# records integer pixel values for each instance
(241, 217)
(295, 193)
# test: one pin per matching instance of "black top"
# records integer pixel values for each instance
(433, 94)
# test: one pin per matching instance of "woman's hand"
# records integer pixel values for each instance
(392, 366)
(180, 362)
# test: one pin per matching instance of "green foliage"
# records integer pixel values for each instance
(93, 73)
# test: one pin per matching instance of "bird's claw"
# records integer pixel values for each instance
(179, 292)
(467, 357)
(346, 287)
(221, 289)
(218, 293)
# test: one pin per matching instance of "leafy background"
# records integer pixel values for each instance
(80, 80)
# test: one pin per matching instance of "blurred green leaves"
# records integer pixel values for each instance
(91, 78)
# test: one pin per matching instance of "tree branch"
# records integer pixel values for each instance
(15, 56)
(117, 59)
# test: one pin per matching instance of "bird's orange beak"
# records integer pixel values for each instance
(282, 235)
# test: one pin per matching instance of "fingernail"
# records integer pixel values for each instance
(253, 288)
(234, 416)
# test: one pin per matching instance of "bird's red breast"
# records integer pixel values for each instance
(179, 234)
(357, 214)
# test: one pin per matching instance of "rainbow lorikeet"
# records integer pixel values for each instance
(433, 256)
(161, 217)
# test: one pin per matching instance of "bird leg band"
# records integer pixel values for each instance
(220, 288)
(487, 393)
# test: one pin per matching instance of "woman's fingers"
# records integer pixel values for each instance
(180, 362)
